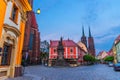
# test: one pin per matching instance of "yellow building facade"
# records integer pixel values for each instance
(114, 54)
(12, 25)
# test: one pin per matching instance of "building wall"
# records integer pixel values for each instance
(12, 34)
(32, 39)
(8, 15)
(67, 53)
(2, 14)
(27, 31)
(81, 53)
(36, 47)
(118, 51)
(114, 54)
(20, 44)
(91, 47)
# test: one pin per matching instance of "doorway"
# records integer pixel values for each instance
(6, 56)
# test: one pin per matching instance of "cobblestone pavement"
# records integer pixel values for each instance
(94, 72)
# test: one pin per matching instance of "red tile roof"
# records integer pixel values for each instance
(118, 38)
(100, 53)
(66, 43)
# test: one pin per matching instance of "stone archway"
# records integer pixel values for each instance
(10, 38)
(10, 41)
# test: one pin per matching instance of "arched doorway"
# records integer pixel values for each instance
(6, 55)
(9, 54)
(9, 43)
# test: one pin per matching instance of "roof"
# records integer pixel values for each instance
(117, 39)
(82, 46)
(102, 54)
(66, 43)
(110, 52)
(25, 4)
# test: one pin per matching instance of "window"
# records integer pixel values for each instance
(14, 13)
(55, 50)
(71, 50)
(31, 41)
(6, 56)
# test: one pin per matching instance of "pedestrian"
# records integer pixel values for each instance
(26, 58)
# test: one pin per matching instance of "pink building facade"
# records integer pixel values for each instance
(72, 52)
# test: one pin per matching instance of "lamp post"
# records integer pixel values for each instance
(38, 11)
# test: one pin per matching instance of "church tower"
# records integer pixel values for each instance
(91, 47)
(83, 38)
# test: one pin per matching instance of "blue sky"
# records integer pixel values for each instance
(66, 17)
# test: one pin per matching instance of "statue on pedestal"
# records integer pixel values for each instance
(60, 50)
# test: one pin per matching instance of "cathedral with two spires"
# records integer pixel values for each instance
(89, 43)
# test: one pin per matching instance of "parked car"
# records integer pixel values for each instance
(110, 64)
(117, 66)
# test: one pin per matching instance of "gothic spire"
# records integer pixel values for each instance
(89, 32)
(83, 34)
(61, 39)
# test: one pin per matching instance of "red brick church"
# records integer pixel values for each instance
(90, 45)
(32, 38)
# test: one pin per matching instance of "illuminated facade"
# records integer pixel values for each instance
(70, 51)
(12, 25)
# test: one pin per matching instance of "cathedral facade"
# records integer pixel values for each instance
(90, 44)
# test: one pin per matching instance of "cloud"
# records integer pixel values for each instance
(102, 40)
(109, 34)
(65, 18)
(91, 14)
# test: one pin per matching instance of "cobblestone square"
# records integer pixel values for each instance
(93, 72)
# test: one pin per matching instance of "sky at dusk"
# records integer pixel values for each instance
(66, 17)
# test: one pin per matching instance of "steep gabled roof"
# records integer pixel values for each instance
(82, 46)
(66, 43)
(117, 39)
(103, 54)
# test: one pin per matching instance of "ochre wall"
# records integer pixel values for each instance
(2, 14)
(20, 43)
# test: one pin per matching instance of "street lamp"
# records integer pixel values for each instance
(38, 11)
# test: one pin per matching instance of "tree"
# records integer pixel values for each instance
(44, 57)
(109, 58)
(89, 58)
